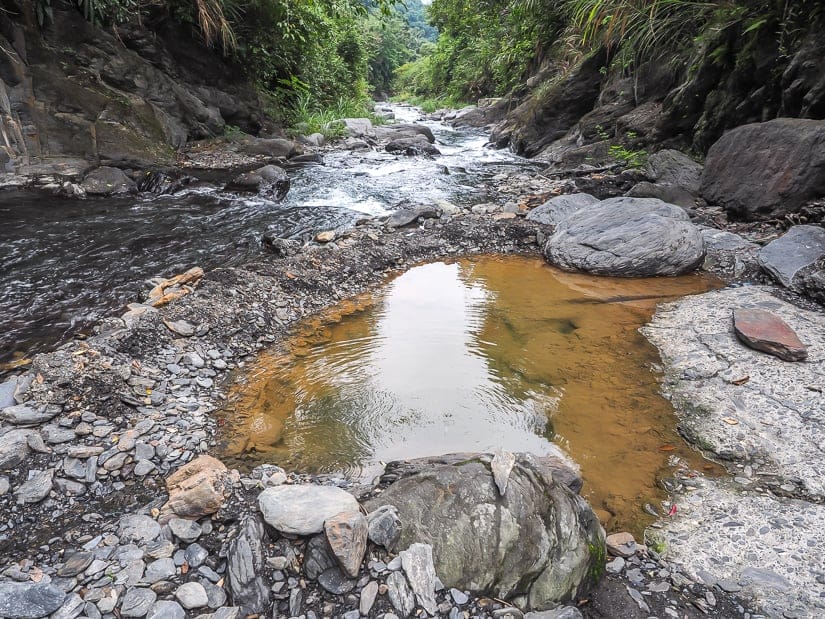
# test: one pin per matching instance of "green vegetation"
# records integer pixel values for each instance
(598, 558)
(314, 60)
(486, 48)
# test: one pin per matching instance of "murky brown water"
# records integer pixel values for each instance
(471, 356)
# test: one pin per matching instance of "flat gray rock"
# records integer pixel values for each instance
(22, 415)
(401, 596)
(406, 216)
(417, 562)
(138, 528)
(302, 510)
(7, 389)
(29, 600)
(166, 609)
(159, 570)
(556, 209)
(36, 488)
(792, 254)
(14, 447)
(627, 237)
(137, 602)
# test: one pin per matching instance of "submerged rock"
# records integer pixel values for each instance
(627, 237)
(767, 332)
(107, 181)
(539, 540)
(269, 181)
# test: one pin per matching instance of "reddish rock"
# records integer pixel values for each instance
(197, 489)
(347, 536)
(621, 545)
(762, 330)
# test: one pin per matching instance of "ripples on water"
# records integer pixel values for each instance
(472, 356)
(64, 264)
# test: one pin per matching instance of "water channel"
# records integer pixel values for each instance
(65, 263)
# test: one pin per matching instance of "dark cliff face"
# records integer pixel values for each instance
(129, 98)
(687, 99)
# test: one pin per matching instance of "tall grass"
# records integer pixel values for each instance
(306, 115)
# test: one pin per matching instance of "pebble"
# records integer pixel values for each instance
(137, 602)
(192, 595)
(166, 610)
(195, 555)
(186, 531)
(459, 597)
(159, 570)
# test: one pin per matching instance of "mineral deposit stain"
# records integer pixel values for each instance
(472, 356)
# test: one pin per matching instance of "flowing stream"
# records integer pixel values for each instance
(64, 264)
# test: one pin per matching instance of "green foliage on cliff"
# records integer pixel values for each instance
(309, 55)
(487, 47)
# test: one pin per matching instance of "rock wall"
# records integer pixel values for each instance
(127, 97)
(687, 99)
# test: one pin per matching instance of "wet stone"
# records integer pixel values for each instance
(621, 545)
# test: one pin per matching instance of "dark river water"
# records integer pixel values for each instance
(64, 264)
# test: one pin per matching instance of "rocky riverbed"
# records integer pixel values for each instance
(109, 507)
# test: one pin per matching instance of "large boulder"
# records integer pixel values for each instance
(674, 168)
(357, 127)
(627, 237)
(416, 145)
(797, 260)
(403, 130)
(302, 510)
(269, 181)
(538, 541)
(29, 600)
(766, 170)
(271, 147)
(556, 209)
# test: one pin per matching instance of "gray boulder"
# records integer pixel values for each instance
(765, 170)
(627, 237)
(358, 127)
(29, 600)
(416, 145)
(558, 208)
(400, 131)
(797, 260)
(22, 415)
(672, 194)
(269, 181)
(539, 541)
(411, 214)
(675, 169)
(302, 510)
(107, 181)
